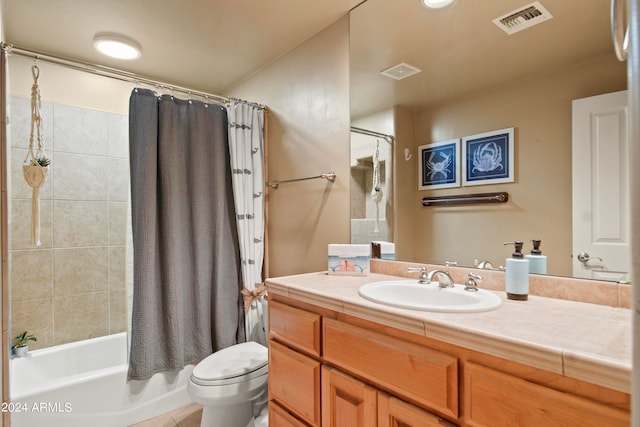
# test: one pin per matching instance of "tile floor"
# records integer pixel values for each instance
(188, 416)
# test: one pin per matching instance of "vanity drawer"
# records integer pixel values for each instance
(294, 382)
(279, 417)
(493, 398)
(411, 371)
(295, 327)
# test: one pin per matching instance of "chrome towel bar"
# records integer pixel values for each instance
(329, 176)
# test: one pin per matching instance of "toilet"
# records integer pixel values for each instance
(231, 385)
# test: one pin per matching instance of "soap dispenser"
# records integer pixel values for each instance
(537, 261)
(517, 274)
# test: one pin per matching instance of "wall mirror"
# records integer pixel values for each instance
(431, 75)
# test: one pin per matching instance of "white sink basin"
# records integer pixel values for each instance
(429, 297)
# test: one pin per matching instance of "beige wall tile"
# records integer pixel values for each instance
(117, 311)
(118, 223)
(79, 317)
(119, 180)
(82, 223)
(118, 135)
(31, 274)
(80, 130)
(117, 267)
(80, 270)
(20, 223)
(20, 122)
(35, 317)
(80, 177)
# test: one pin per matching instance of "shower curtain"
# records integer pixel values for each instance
(246, 145)
(186, 300)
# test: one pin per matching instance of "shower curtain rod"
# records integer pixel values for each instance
(362, 131)
(114, 73)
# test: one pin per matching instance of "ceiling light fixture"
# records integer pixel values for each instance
(117, 46)
(436, 4)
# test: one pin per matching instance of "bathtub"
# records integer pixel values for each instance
(85, 384)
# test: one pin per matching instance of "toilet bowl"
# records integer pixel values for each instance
(231, 385)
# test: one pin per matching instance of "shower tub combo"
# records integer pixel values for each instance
(85, 383)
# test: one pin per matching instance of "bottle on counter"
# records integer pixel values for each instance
(517, 274)
(537, 261)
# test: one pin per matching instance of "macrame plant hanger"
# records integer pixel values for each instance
(376, 191)
(36, 165)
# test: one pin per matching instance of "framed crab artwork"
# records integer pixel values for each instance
(439, 165)
(488, 158)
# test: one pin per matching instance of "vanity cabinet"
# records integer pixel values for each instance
(313, 359)
(493, 398)
(329, 369)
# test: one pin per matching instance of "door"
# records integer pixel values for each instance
(347, 402)
(600, 174)
(393, 412)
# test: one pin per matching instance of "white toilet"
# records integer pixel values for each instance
(231, 385)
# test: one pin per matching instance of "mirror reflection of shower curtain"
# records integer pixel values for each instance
(186, 301)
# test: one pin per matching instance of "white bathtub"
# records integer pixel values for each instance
(85, 384)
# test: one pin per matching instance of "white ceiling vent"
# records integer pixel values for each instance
(523, 18)
(400, 71)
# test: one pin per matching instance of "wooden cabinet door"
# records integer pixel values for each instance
(495, 399)
(294, 382)
(346, 402)
(394, 412)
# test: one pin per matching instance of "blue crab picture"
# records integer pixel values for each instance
(439, 165)
(488, 158)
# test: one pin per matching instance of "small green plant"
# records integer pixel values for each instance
(23, 339)
(42, 161)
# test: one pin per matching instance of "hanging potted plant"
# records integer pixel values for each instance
(21, 347)
(36, 164)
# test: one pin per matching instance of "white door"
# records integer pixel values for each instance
(601, 187)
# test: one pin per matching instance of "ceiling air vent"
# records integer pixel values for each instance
(400, 71)
(523, 18)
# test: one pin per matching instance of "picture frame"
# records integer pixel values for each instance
(488, 158)
(439, 165)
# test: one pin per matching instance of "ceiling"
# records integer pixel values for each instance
(205, 45)
(212, 45)
(460, 50)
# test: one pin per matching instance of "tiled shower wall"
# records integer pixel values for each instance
(73, 286)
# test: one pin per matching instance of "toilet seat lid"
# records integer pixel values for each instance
(235, 361)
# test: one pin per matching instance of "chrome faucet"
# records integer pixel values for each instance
(446, 283)
(483, 264)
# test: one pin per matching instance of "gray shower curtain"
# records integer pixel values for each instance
(186, 268)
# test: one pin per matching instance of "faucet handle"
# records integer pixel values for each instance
(450, 264)
(421, 270)
(471, 285)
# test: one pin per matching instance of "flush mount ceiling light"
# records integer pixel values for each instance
(117, 46)
(436, 4)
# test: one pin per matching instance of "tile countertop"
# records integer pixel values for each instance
(585, 341)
